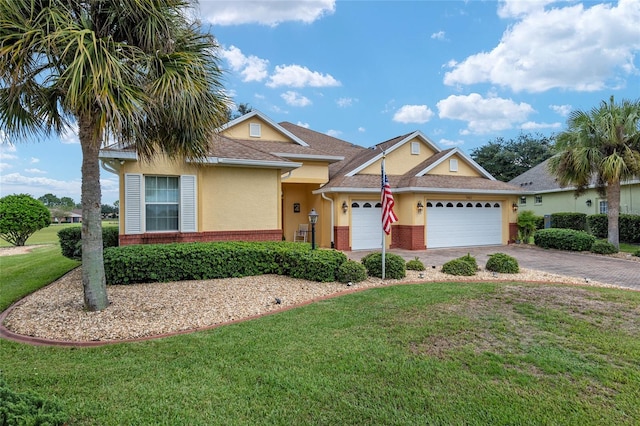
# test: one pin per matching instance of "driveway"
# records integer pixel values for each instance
(609, 270)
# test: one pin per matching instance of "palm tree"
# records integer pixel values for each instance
(604, 144)
(134, 72)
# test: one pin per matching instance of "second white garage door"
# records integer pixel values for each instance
(460, 224)
(366, 225)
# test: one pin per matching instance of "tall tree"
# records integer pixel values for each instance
(507, 158)
(137, 72)
(601, 144)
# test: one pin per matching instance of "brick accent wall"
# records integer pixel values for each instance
(341, 238)
(190, 237)
(408, 237)
(513, 232)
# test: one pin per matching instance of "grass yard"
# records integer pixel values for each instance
(472, 354)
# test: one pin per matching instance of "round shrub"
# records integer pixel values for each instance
(415, 265)
(563, 239)
(395, 267)
(502, 263)
(459, 267)
(603, 247)
(470, 260)
(351, 271)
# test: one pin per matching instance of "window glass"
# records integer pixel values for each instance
(162, 196)
(538, 199)
(604, 207)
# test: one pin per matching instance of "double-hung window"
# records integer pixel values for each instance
(603, 207)
(162, 203)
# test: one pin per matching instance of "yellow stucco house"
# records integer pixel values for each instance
(261, 179)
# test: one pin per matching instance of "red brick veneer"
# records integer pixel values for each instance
(408, 237)
(341, 238)
(189, 237)
(513, 232)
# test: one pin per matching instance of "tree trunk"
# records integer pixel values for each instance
(613, 212)
(93, 278)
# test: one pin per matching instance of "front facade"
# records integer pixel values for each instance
(541, 193)
(261, 179)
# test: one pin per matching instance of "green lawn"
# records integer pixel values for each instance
(629, 248)
(472, 354)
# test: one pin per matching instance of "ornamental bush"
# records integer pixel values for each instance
(459, 267)
(564, 239)
(395, 268)
(470, 260)
(351, 271)
(576, 221)
(628, 225)
(28, 409)
(20, 216)
(502, 263)
(603, 247)
(71, 240)
(415, 265)
(526, 225)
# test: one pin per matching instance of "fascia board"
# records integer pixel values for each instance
(455, 191)
(349, 189)
(265, 119)
(118, 155)
(329, 158)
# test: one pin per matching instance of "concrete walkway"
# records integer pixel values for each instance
(608, 270)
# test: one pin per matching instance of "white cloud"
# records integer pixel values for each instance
(484, 115)
(572, 48)
(251, 68)
(345, 102)
(448, 142)
(264, 12)
(295, 99)
(17, 183)
(438, 36)
(70, 134)
(301, 124)
(362, 129)
(532, 125)
(334, 133)
(413, 114)
(35, 171)
(299, 76)
(5, 166)
(562, 110)
(34, 160)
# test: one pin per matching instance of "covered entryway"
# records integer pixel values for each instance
(366, 225)
(462, 223)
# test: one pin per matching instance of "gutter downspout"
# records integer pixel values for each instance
(332, 213)
(106, 165)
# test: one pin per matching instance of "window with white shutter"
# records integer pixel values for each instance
(188, 203)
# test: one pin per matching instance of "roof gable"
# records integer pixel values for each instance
(454, 153)
(240, 128)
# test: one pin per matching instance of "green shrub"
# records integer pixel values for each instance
(597, 224)
(28, 409)
(526, 225)
(576, 221)
(71, 240)
(564, 239)
(470, 260)
(539, 222)
(395, 268)
(351, 271)
(20, 216)
(459, 267)
(502, 263)
(194, 261)
(628, 225)
(415, 265)
(636, 253)
(603, 247)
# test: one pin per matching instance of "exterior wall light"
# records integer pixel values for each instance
(589, 203)
(514, 206)
(345, 207)
(420, 206)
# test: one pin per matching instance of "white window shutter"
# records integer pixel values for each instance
(133, 204)
(188, 203)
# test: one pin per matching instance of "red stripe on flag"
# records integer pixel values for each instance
(388, 216)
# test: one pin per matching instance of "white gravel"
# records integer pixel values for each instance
(143, 310)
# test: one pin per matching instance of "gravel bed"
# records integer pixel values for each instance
(144, 310)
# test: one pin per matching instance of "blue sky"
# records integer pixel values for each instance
(463, 73)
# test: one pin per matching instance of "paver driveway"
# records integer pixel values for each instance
(609, 270)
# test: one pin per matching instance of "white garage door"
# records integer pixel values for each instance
(366, 225)
(460, 224)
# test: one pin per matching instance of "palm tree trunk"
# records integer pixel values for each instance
(613, 212)
(93, 278)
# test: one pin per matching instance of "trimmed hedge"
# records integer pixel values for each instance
(539, 222)
(628, 227)
(603, 247)
(576, 221)
(71, 240)
(415, 265)
(195, 261)
(564, 239)
(502, 263)
(470, 260)
(394, 268)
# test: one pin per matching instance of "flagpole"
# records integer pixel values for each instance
(383, 233)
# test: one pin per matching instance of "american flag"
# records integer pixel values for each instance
(388, 216)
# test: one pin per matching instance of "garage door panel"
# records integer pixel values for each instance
(463, 224)
(366, 228)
